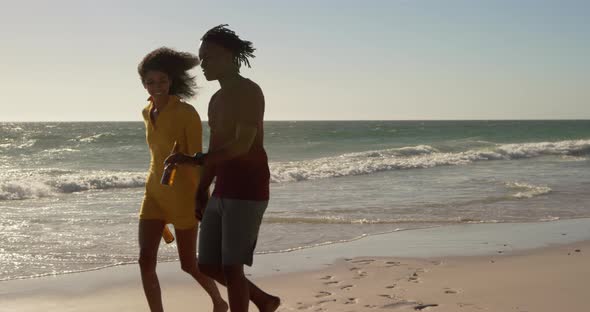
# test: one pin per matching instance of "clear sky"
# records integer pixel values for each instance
(76, 60)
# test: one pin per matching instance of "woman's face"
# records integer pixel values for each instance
(156, 83)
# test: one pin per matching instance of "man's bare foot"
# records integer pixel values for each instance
(220, 306)
(271, 305)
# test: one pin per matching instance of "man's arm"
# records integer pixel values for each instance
(207, 176)
(240, 145)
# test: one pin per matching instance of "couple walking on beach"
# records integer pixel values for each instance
(231, 217)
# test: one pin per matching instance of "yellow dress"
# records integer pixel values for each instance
(176, 122)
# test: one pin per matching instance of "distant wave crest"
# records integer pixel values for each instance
(350, 164)
(414, 157)
(50, 186)
(94, 138)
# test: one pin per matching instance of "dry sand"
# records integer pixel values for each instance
(546, 280)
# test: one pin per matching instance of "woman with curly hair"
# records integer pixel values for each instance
(169, 121)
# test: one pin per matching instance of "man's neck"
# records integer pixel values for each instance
(230, 80)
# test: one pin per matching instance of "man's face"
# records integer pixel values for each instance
(216, 61)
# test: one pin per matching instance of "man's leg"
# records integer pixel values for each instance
(234, 275)
(240, 225)
(238, 291)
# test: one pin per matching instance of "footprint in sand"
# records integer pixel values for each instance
(390, 286)
(363, 261)
(354, 269)
(371, 306)
(303, 306)
(327, 277)
(390, 264)
(387, 296)
(331, 283)
(421, 307)
(450, 291)
(361, 274)
(351, 301)
(470, 305)
(398, 304)
(323, 294)
(346, 287)
(325, 301)
(413, 278)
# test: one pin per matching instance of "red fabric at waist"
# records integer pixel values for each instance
(245, 178)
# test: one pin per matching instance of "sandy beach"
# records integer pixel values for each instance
(489, 267)
(549, 279)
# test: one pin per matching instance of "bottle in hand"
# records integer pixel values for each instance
(170, 170)
(167, 235)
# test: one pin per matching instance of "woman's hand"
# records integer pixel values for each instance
(178, 159)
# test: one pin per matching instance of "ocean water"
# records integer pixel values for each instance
(70, 192)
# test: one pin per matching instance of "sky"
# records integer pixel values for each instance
(76, 60)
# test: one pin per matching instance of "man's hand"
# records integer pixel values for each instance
(177, 159)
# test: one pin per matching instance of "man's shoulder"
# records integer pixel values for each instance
(248, 91)
(250, 86)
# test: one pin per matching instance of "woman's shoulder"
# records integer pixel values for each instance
(145, 112)
(187, 110)
(185, 107)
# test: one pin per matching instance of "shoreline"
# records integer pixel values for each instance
(461, 240)
(423, 233)
(521, 267)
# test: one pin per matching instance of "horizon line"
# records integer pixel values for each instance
(296, 120)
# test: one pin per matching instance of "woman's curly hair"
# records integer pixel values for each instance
(242, 50)
(176, 65)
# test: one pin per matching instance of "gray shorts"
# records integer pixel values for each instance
(229, 231)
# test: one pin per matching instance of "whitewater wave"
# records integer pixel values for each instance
(325, 220)
(59, 151)
(423, 222)
(526, 190)
(415, 157)
(93, 138)
(573, 158)
(350, 164)
(18, 145)
(45, 186)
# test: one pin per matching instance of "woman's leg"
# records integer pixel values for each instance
(186, 240)
(150, 233)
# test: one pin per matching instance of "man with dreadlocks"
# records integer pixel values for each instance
(238, 162)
